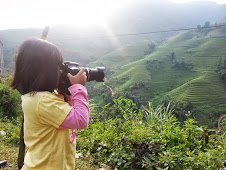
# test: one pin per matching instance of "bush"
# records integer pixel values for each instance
(12, 131)
(132, 138)
(182, 65)
(9, 102)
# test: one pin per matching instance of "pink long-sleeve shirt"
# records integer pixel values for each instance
(78, 118)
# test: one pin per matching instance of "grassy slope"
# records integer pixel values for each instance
(207, 89)
(123, 55)
(203, 49)
(9, 153)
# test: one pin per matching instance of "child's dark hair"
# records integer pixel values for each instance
(37, 66)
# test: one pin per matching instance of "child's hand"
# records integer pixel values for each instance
(79, 78)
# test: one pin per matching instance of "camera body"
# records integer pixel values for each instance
(73, 68)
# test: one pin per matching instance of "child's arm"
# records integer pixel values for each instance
(78, 118)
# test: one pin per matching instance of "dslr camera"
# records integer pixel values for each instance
(73, 68)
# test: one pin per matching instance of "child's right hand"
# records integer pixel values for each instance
(79, 78)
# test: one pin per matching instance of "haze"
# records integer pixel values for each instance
(88, 13)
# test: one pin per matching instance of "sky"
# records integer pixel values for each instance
(185, 1)
(40, 13)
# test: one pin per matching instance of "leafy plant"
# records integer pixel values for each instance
(132, 138)
(11, 130)
(9, 102)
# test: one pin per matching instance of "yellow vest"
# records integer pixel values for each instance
(48, 146)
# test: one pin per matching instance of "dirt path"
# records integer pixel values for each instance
(112, 92)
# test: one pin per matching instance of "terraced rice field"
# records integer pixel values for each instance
(204, 90)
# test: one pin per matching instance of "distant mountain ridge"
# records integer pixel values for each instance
(87, 45)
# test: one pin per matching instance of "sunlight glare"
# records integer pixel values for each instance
(38, 13)
(185, 1)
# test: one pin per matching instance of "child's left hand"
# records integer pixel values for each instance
(79, 78)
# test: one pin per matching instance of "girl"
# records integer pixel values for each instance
(47, 117)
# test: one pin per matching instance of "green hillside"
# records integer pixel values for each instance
(207, 89)
(123, 55)
(194, 53)
(183, 68)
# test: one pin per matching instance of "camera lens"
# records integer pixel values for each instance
(96, 74)
(72, 68)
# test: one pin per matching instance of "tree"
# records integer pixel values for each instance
(1, 59)
(172, 55)
(221, 69)
(151, 48)
(207, 24)
(199, 27)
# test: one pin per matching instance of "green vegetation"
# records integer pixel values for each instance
(126, 137)
(10, 122)
(185, 73)
(12, 131)
(207, 89)
(188, 67)
(125, 55)
(9, 101)
(9, 153)
(194, 53)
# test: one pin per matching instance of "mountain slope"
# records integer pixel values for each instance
(181, 59)
(207, 89)
(124, 55)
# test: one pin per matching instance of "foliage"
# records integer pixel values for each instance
(100, 93)
(207, 24)
(151, 48)
(85, 163)
(9, 100)
(9, 153)
(10, 109)
(182, 65)
(132, 138)
(180, 110)
(199, 27)
(11, 128)
(221, 69)
(154, 65)
(172, 55)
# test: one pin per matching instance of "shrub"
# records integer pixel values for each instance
(9, 102)
(182, 65)
(12, 131)
(132, 138)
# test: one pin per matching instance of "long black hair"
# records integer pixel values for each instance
(37, 66)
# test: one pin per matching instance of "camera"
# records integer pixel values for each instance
(73, 68)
